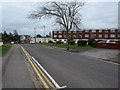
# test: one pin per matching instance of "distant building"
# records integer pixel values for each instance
(98, 34)
(41, 39)
(25, 39)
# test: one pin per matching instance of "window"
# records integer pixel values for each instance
(74, 31)
(112, 30)
(55, 36)
(93, 35)
(86, 35)
(60, 32)
(100, 30)
(106, 30)
(74, 36)
(100, 35)
(55, 32)
(60, 36)
(64, 36)
(118, 36)
(106, 35)
(112, 35)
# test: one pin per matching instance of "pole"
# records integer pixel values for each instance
(35, 34)
(44, 33)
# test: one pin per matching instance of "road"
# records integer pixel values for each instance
(73, 70)
(15, 73)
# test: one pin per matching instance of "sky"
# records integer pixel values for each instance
(94, 15)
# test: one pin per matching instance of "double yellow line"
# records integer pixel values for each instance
(46, 82)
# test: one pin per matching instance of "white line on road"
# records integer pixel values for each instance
(53, 81)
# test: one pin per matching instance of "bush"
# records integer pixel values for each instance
(59, 42)
(50, 41)
(92, 42)
(82, 43)
(72, 42)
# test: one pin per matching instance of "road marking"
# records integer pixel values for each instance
(44, 75)
(40, 77)
(53, 81)
(35, 65)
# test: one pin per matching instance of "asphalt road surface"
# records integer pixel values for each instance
(75, 71)
(14, 70)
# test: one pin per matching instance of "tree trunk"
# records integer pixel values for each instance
(68, 46)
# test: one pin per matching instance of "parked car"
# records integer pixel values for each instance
(107, 41)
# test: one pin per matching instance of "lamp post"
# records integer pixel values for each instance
(35, 34)
(44, 33)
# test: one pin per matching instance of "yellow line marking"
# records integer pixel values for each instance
(44, 76)
(44, 83)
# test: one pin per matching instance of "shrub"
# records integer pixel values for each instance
(72, 42)
(82, 43)
(92, 42)
(58, 42)
(50, 41)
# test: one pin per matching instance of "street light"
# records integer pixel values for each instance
(35, 34)
(44, 33)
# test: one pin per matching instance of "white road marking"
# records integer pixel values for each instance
(53, 81)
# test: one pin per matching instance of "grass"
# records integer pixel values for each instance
(4, 49)
(74, 48)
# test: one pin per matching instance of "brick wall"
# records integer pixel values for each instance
(109, 45)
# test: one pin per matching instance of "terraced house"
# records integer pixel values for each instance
(97, 34)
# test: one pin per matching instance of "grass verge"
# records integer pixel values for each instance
(74, 48)
(4, 49)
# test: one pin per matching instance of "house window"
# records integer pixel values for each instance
(106, 35)
(118, 36)
(60, 32)
(112, 30)
(55, 36)
(55, 32)
(74, 31)
(106, 30)
(100, 30)
(64, 36)
(86, 35)
(93, 35)
(60, 36)
(100, 35)
(112, 35)
(74, 36)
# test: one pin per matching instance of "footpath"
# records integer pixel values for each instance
(104, 54)
(15, 73)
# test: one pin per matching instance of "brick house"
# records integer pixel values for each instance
(98, 34)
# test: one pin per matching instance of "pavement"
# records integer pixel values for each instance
(104, 54)
(14, 70)
(73, 70)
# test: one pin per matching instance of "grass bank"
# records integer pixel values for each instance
(4, 49)
(74, 48)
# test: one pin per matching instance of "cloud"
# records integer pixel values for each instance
(94, 15)
(100, 15)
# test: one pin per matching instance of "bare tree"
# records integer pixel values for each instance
(66, 14)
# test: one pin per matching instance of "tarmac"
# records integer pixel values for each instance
(104, 54)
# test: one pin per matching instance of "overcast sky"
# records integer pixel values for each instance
(94, 15)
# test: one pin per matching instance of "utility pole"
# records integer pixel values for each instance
(35, 34)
